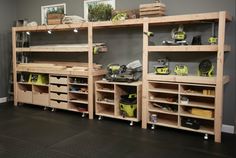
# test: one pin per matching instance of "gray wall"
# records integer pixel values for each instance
(7, 16)
(125, 47)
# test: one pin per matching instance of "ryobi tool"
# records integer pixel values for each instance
(213, 39)
(162, 67)
(128, 105)
(181, 70)
(178, 37)
(206, 68)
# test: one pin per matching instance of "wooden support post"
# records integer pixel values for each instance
(90, 71)
(145, 73)
(219, 77)
(14, 65)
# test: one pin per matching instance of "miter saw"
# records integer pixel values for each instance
(124, 73)
(178, 37)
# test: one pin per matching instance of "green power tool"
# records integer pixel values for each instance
(206, 68)
(128, 105)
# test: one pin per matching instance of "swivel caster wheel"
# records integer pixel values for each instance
(153, 127)
(131, 123)
(83, 115)
(206, 136)
(53, 110)
(45, 108)
(100, 118)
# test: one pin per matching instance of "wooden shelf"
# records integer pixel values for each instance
(106, 113)
(199, 105)
(157, 110)
(106, 91)
(189, 18)
(165, 123)
(197, 95)
(186, 79)
(68, 48)
(187, 49)
(28, 83)
(78, 101)
(186, 114)
(205, 130)
(104, 102)
(162, 90)
(78, 92)
(79, 84)
(161, 100)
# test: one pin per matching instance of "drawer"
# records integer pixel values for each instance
(58, 80)
(58, 96)
(41, 98)
(24, 96)
(59, 104)
(58, 88)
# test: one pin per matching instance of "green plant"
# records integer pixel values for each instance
(55, 10)
(99, 12)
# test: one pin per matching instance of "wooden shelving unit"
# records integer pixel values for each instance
(58, 94)
(162, 98)
(23, 92)
(108, 96)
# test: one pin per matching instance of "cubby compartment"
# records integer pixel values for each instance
(80, 89)
(157, 118)
(58, 80)
(198, 125)
(78, 107)
(163, 97)
(23, 77)
(41, 95)
(105, 98)
(163, 87)
(105, 109)
(200, 102)
(105, 87)
(78, 81)
(25, 94)
(197, 90)
(194, 112)
(171, 109)
(78, 98)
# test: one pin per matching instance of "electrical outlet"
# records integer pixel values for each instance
(3, 100)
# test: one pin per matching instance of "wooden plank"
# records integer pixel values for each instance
(152, 5)
(182, 79)
(14, 60)
(158, 12)
(187, 49)
(152, 9)
(90, 72)
(219, 79)
(52, 27)
(144, 79)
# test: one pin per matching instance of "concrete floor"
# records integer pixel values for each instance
(29, 132)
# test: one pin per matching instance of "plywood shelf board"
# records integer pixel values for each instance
(187, 49)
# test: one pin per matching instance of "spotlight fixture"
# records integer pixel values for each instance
(28, 33)
(76, 30)
(49, 31)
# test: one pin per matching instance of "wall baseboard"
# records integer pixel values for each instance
(3, 100)
(228, 129)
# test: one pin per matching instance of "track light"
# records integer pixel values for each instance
(76, 30)
(28, 33)
(49, 31)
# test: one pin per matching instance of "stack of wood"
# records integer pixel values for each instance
(55, 18)
(152, 10)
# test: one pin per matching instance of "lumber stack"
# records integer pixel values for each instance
(152, 9)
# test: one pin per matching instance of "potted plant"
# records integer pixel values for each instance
(99, 12)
